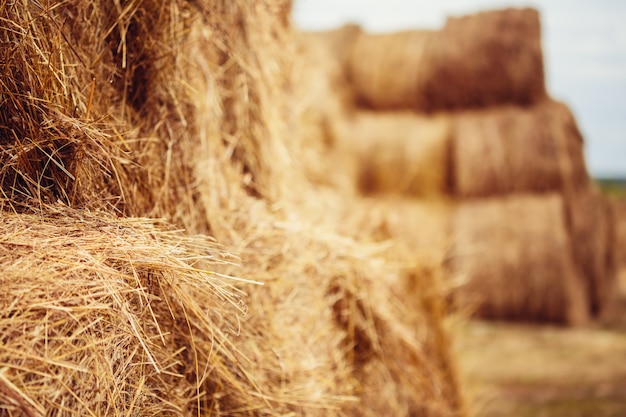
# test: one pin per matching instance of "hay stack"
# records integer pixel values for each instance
(113, 114)
(513, 149)
(398, 153)
(516, 256)
(485, 59)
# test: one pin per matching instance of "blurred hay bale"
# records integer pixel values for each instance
(592, 232)
(323, 97)
(485, 59)
(516, 257)
(480, 60)
(385, 69)
(513, 149)
(398, 153)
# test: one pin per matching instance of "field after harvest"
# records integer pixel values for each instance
(544, 371)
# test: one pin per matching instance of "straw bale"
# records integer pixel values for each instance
(385, 69)
(515, 255)
(361, 332)
(478, 60)
(114, 316)
(592, 233)
(485, 59)
(513, 149)
(398, 153)
(179, 110)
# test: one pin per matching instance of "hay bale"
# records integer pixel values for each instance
(516, 256)
(108, 316)
(485, 59)
(592, 233)
(398, 153)
(515, 149)
(479, 60)
(385, 69)
(178, 110)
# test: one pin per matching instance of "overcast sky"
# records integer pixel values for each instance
(584, 52)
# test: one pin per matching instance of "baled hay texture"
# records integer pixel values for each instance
(513, 149)
(399, 153)
(109, 316)
(385, 69)
(79, 82)
(485, 59)
(394, 343)
(474, 61)
(592, 232)
(100, 103)
(515, 255)
(386, 300)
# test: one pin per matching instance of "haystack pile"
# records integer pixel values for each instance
(160, 250)
(461, 115)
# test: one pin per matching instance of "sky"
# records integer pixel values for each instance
(584, 45)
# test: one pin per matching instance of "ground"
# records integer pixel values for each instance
(522, 370)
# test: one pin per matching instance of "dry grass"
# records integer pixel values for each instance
(115, 316)
(117, 113)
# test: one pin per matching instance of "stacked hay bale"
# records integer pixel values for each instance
(130, 132)
(462, 114)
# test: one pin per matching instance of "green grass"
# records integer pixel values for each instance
(612, 187)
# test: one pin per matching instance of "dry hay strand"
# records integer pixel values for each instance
(115, 316)
(592, 230)
(99, 104)
(515, 255)
(80, 81)
(398, 153)
(475, 61)
(516, 150)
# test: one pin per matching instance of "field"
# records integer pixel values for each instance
(525, 370)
